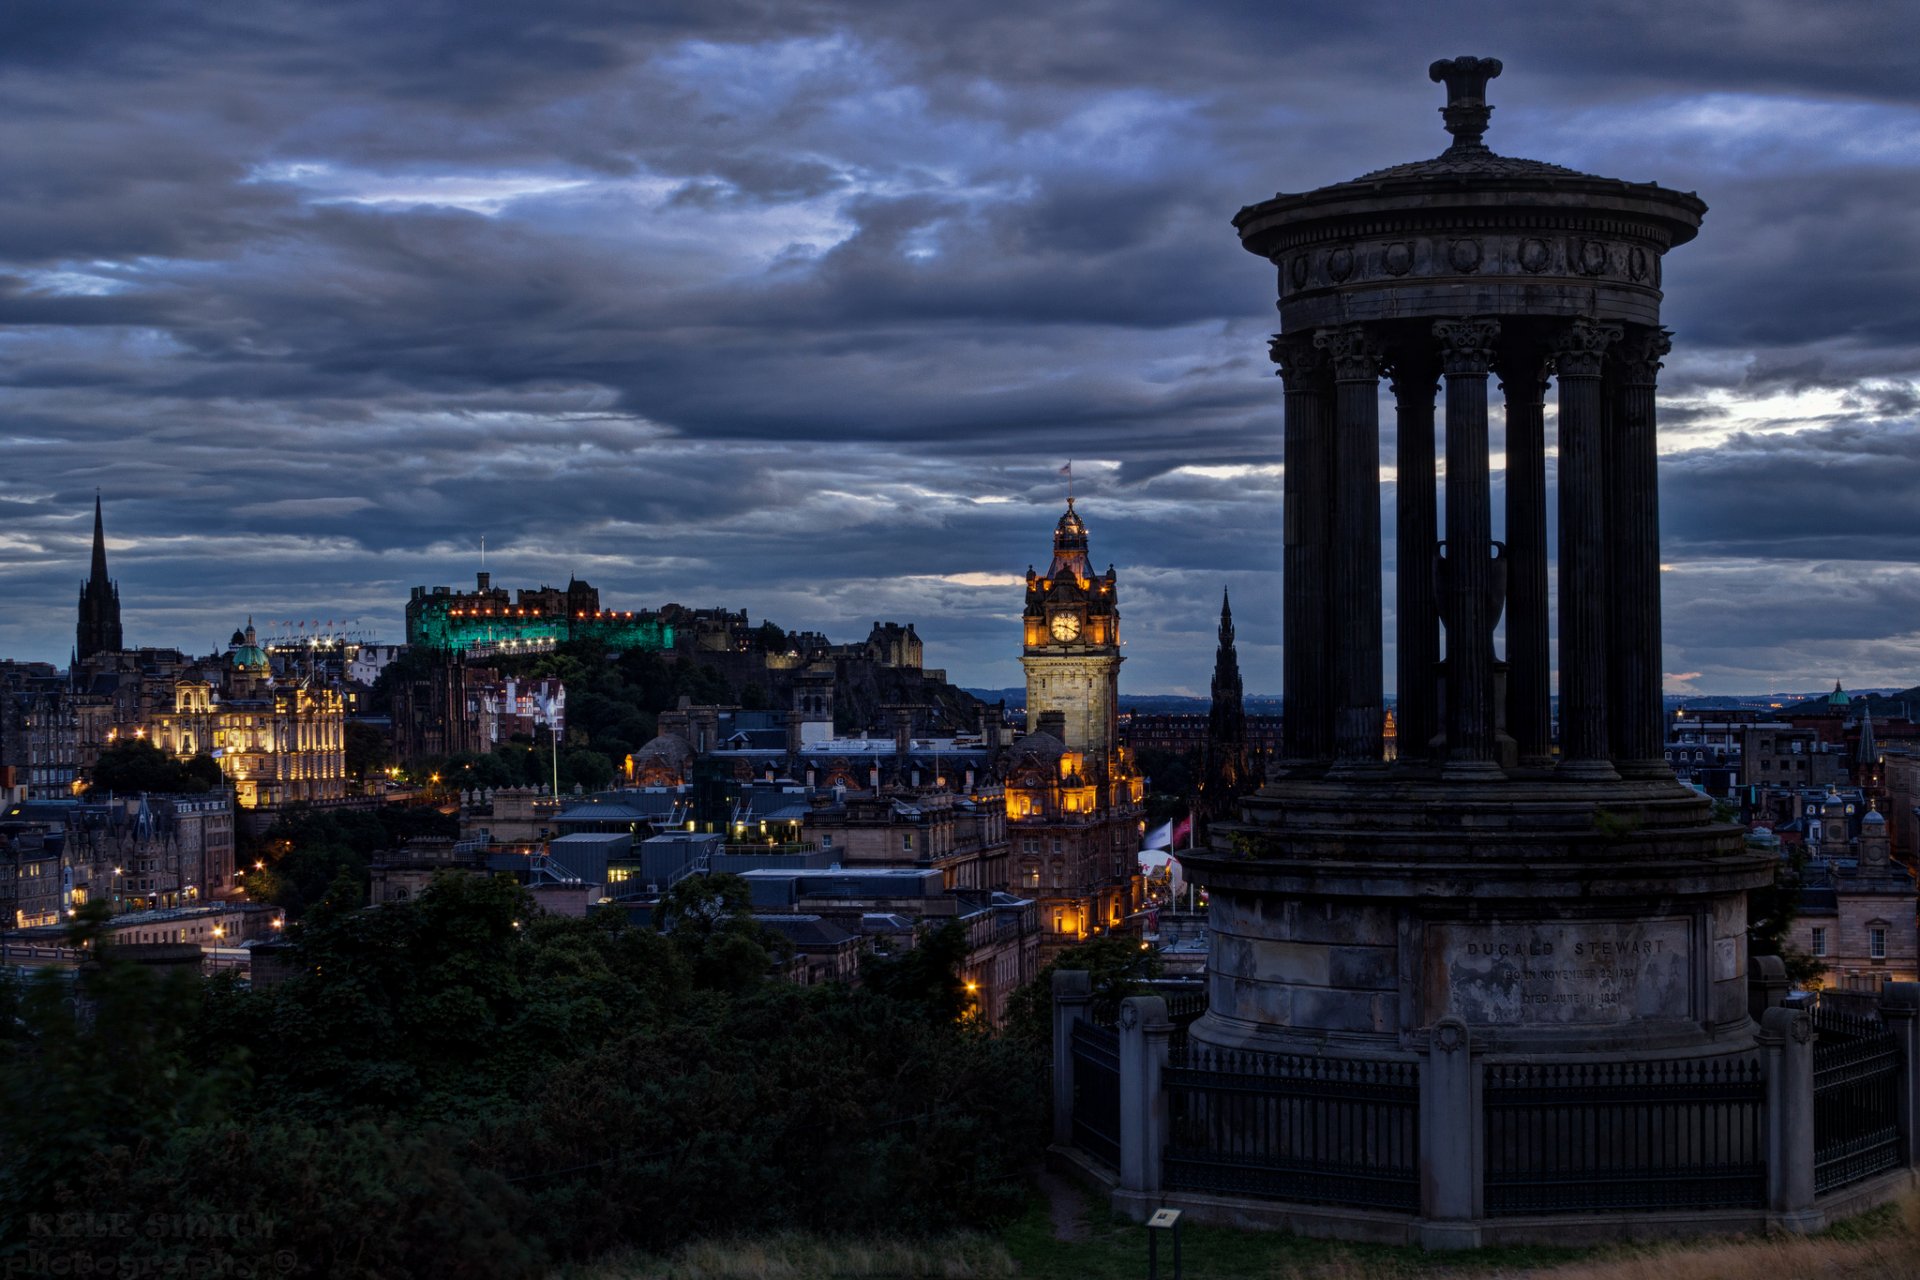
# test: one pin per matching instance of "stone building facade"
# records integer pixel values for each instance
(277, 742)
(1858, 907)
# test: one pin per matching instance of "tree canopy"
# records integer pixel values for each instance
(133, 765)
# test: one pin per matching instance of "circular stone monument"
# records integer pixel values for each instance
(1567, 902)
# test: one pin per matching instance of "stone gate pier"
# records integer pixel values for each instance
(1497, 986)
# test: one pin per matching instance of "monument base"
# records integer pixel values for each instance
(1552, 917)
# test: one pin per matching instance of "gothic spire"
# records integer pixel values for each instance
(98, 629)
(99, 575)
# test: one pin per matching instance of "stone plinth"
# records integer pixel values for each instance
(1548, 916)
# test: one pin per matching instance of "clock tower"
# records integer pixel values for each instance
(1072, 654)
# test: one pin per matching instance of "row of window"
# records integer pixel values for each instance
(1876, 943)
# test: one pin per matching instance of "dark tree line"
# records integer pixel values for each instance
(460, 1086)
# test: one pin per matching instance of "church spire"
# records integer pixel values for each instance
(98, 630)
(99, 575)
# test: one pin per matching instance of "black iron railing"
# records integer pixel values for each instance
(1096, 1091)
(1294, 1127)
(1856, 1110)
(1184, 1007)
(1574, 1137)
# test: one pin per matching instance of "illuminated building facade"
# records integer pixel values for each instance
(278, 743)
(492, 620)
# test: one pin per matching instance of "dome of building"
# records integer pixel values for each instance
(1839, 697)
(1044, 744)
(239, 638)
(1873, 818)
(249, 657)
(1071, 530)
(665, 746)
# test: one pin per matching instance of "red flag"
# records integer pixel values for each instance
(1183, 830)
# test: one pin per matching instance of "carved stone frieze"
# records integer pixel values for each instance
(1519, 255)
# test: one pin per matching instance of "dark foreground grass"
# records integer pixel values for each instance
(1876, 1246)
(1117, 1250)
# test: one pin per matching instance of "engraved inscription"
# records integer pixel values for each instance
(1726, 959)
(1559, 974)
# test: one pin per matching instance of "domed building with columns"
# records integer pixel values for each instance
(278, 740)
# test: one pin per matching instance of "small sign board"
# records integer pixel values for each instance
(1163, 1218)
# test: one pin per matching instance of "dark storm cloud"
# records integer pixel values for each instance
(799, 306)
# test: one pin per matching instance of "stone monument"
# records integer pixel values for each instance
(1570, 902)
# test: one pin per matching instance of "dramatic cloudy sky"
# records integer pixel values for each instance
(798, 306)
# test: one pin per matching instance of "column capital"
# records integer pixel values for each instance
(1357, 352)
(1579, 348)
(1467, 344)
(1637, 357)
(1523, 371)
(1413, 371)
(1302, 362)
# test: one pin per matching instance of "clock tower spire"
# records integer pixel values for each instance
(1072, 646)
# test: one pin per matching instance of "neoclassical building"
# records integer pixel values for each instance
(279, 741)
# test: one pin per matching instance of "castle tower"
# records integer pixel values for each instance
(1072, 653)
(99, 626)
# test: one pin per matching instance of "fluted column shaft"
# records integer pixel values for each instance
(1354, 566)
(1578, 352)
(1416, 613)
(1307, 486)
(1635, 714)
(1466, 350)
(1529, 655)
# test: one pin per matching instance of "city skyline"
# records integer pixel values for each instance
(803, 313)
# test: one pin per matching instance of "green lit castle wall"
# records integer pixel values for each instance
(456, 622)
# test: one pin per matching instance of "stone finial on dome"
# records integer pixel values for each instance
(1466, 112)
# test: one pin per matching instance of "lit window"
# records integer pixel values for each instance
(1819, 942)
(1877, 944)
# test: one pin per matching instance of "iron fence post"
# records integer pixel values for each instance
(1900, 1011)
(1786, 1038)
(1144, 1029)
(1451, 1139)
(1072, 994)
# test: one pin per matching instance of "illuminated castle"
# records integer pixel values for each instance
(492, 620)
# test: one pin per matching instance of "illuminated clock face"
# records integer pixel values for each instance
(1066, 626)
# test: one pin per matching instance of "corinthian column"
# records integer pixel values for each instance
(1307, 484)
(1633, 538)
(1523, 379)
(1354, 567)
(1578, 351)
(1416, 376)
(1466, 353)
